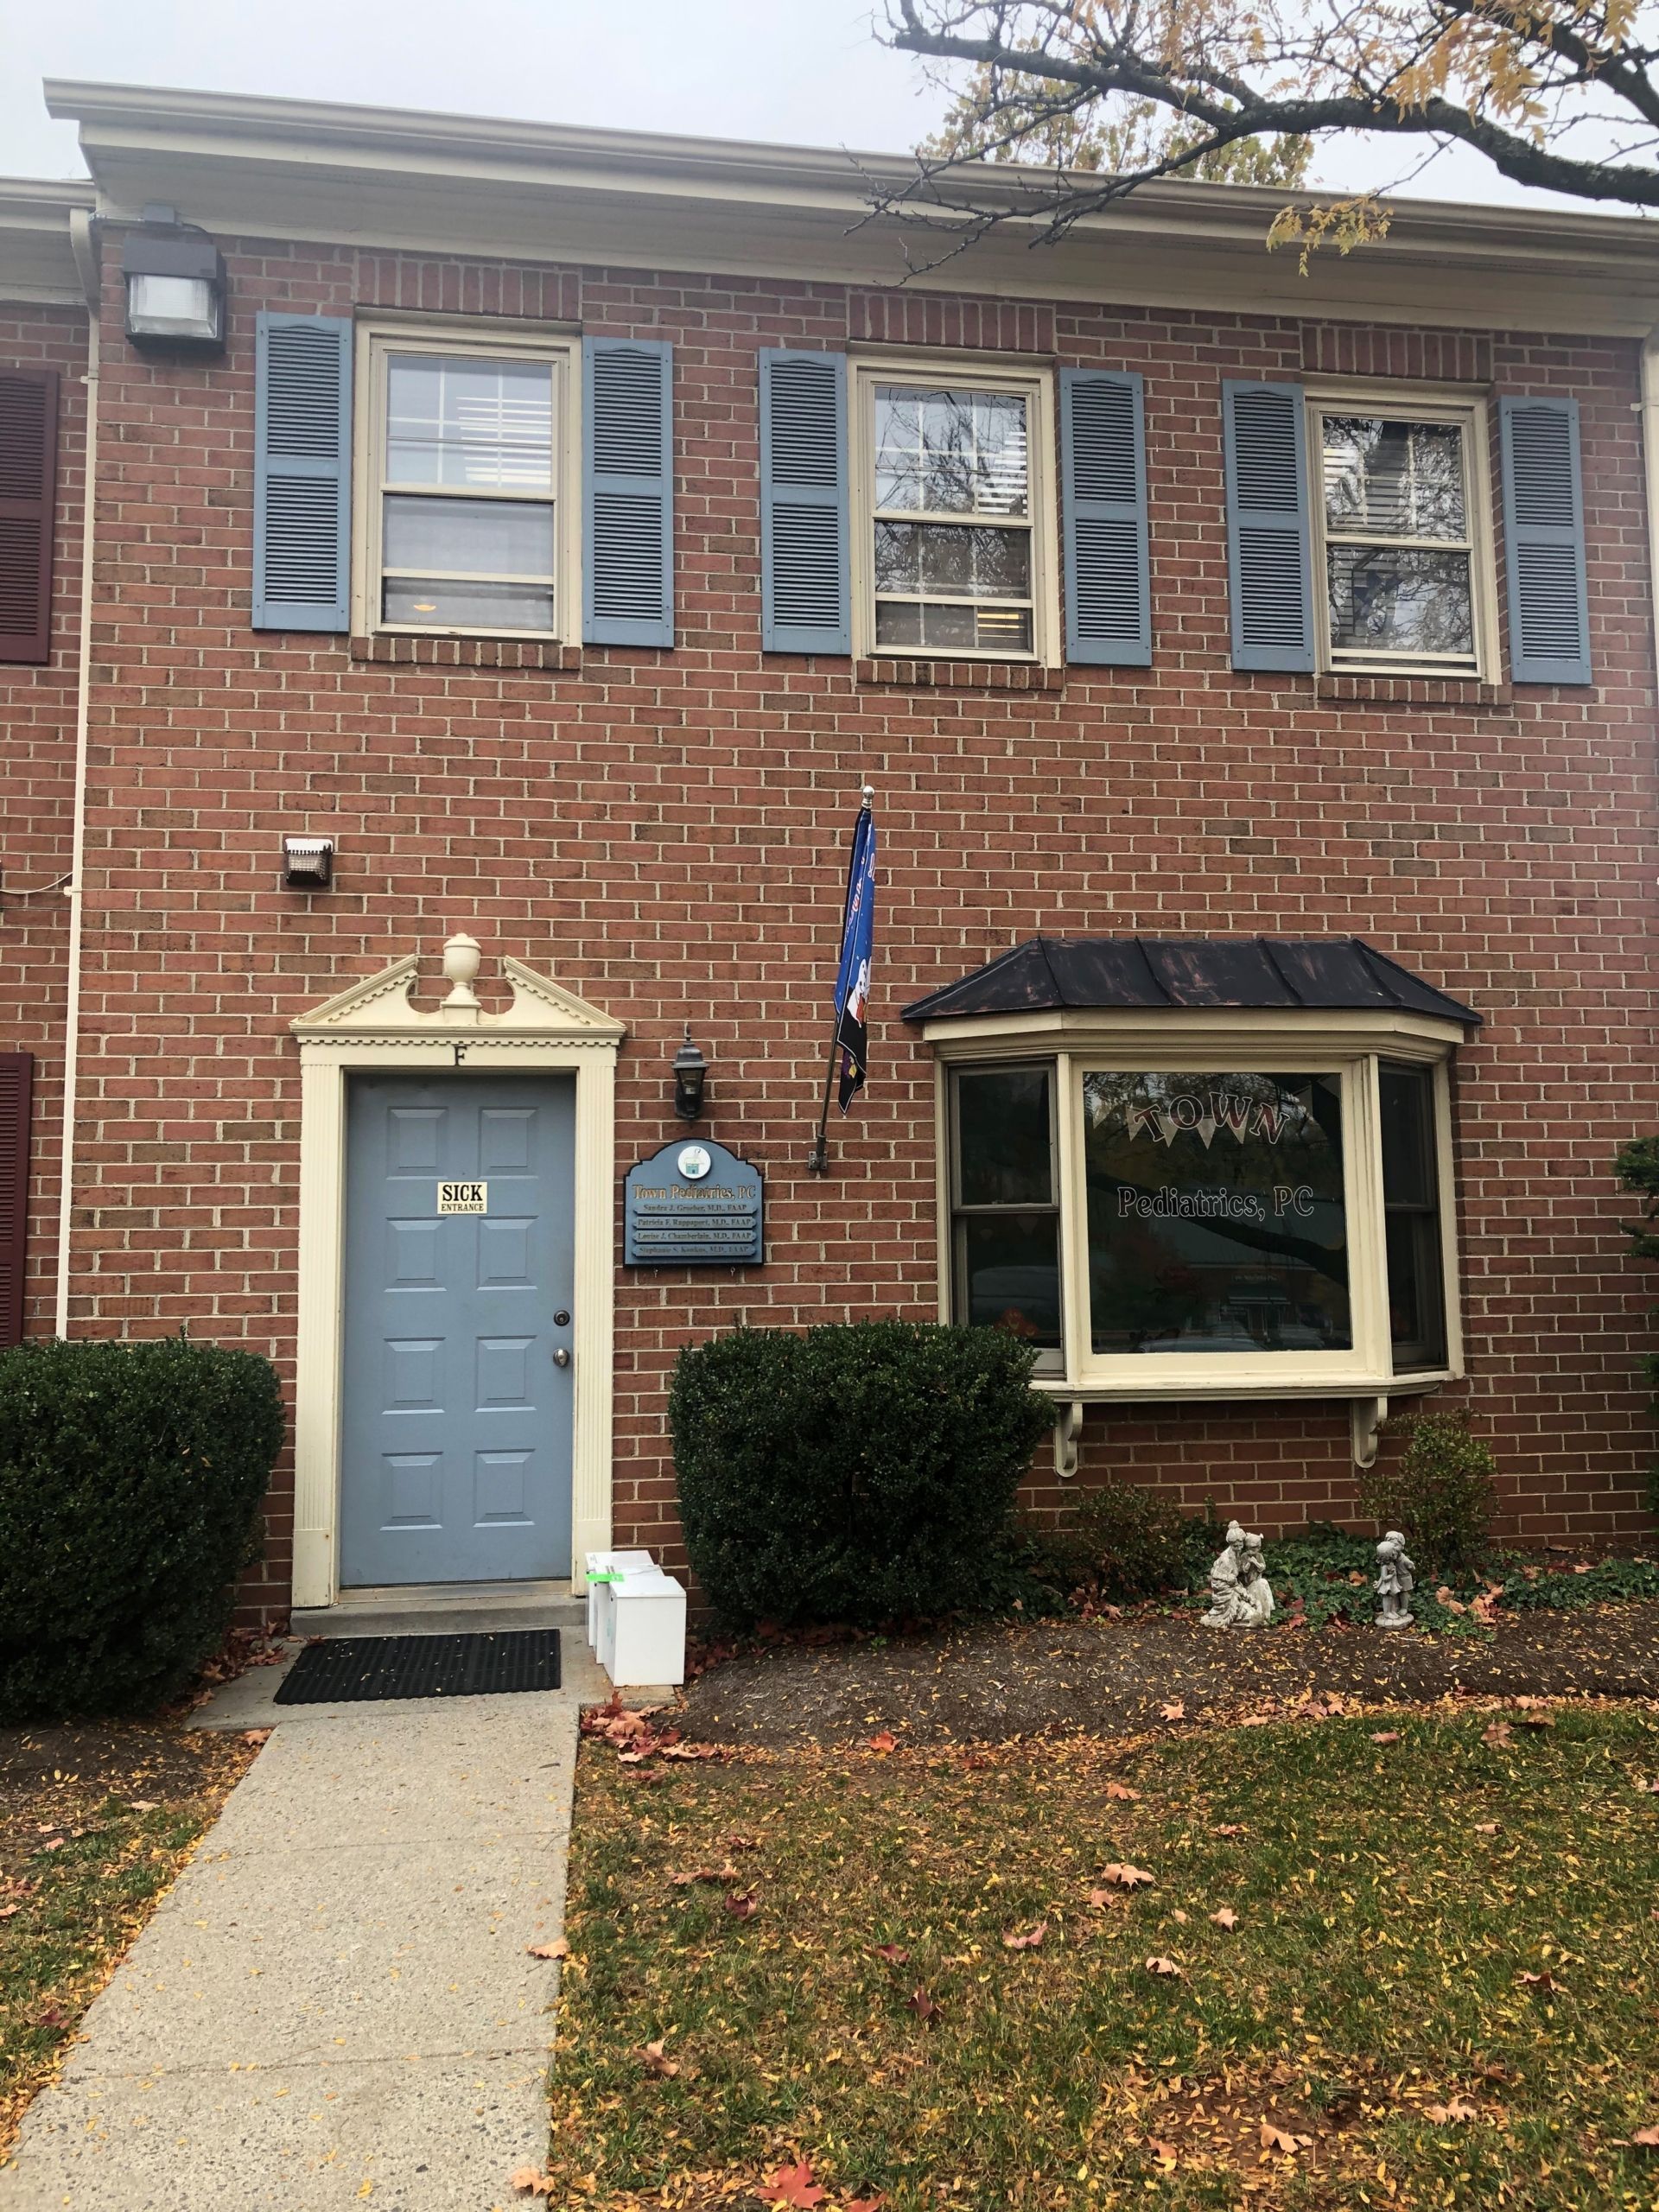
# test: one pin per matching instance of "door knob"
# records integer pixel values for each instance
(561, 1357)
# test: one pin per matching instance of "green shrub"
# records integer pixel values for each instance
(131, 1476)
(1440, 1490)
(859, 1473)
(1134, 1540)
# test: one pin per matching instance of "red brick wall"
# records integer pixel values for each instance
(665, 832)
(37, 765)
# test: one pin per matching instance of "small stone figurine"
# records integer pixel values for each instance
(1256, 1597)
(1239, 1595)
(1394, 1582)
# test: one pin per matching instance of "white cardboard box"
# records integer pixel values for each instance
(646, 1620)
(599, 1592)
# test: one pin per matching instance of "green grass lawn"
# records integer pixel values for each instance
(1391, 1899)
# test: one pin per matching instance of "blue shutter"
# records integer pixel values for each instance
(1103, 510)
(1543, 532)
(302, 474)
(627, 505)
(805, 594)
(1265, 448)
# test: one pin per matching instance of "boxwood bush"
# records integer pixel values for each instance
(861, 1472)
(130, 1477)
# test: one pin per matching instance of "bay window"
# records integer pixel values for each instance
(1205, 1168)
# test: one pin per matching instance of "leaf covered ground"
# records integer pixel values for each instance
(1112, 1675)
(96, 1822)
(1399, 1959)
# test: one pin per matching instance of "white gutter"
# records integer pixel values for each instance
(87, 261)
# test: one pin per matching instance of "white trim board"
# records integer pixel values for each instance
(372, 1026)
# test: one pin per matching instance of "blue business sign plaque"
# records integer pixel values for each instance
(693, 1205)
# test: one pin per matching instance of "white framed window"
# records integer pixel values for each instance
(468, 514)
(1005, 1205)
(1204, 1209)
(953, 488)
(1403, 565)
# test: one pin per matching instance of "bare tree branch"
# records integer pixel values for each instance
(1067, 86)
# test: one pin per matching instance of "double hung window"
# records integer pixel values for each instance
(1401, 551)
(1005, 1204)
(954, 542)
(465, 518)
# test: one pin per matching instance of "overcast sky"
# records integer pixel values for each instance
(801, 71)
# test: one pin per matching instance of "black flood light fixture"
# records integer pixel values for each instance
(690, 1073)
(307, 863)
(175, 284)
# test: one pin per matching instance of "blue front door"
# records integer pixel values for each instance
(455, 1430)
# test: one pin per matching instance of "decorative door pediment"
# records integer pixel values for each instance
(378, 1009)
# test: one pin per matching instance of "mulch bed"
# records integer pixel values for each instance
(1114, 1677)
(52, 1777)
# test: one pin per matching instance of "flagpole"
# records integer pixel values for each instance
(817, 1160)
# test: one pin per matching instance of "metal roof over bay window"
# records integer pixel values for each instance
(1327, 974)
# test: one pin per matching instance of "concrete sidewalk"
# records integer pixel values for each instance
(335, 2005)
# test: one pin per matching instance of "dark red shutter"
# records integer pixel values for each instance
(28, 472)
(17, 1073)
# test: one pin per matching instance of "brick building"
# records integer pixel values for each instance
(1254, 673)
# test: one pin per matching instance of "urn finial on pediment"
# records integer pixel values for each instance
(462, 955)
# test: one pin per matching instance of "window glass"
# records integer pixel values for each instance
(1394, 479)
(1007, 1228)
(1398, 546)
(1411, 1200)
(1216, 1215)
(476, 550)
(469, 537)
(471, 423)
(922, 557)
(950, 451)
(438, 605)
(1012, 1276)
(952, 553)
(1003, 1125)
(1394, 599)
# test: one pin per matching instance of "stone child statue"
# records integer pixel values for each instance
(1254, 1596)
(1394, 1582)
(1239, 1595)
(1224, 1580)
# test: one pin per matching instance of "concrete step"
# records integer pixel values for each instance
(445, 1609)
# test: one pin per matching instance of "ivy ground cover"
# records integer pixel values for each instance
(1405, 1958)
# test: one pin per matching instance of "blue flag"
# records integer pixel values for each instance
(853, 982)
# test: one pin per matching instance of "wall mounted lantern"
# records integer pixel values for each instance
(175, 286)
(690, 1073)
(307, 863)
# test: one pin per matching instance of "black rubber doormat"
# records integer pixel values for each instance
(346, 1669)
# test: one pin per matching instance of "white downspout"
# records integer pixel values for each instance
(1650, 466)
(87, 261)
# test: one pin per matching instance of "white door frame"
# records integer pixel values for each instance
(372, 1026)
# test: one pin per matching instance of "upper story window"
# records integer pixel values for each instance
(465, 522)
(953, 552)
(1403, 550)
